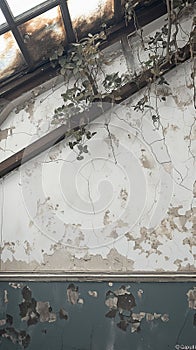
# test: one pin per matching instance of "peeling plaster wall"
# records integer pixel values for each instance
(129, 205)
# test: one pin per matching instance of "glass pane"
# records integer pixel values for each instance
(90, 15)
(19, 6)
(11, 59)
(43, 34)
(2, 18)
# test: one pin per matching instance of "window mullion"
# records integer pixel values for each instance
(67, 21)
(13, 27)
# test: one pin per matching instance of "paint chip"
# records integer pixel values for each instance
(63, 315)
(93, 293)
(192, 298)
(72, 294)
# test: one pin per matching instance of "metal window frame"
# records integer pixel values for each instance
(13, 86)
(14, 29)
(117, 22)
(14, 21)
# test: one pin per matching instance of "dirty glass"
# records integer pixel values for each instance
(91, 15)
(2, 18)
(18, 7)
(43, 34)
(11, 59)
(97, 316)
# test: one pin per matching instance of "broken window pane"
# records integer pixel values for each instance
(43, 34)
(2, 18)
(18, 7)
(90, 15)
(11, 59)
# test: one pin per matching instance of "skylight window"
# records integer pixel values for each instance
(20, 6)
(34, 29)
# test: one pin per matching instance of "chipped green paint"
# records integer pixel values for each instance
(111, 316)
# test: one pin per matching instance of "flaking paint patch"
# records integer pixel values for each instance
(5, 133)
(123, 196)
(146, 163)
(121, 303)
(106, 219)
(150, 241)
(191, 294)
(62, 257)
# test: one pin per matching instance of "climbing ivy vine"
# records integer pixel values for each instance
(86, 81)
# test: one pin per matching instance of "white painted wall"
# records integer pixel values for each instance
(128, 206)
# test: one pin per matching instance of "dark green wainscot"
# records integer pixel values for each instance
(97, 316)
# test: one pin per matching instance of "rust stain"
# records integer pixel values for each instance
(43, 35)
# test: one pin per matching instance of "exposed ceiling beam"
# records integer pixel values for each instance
(95, 111)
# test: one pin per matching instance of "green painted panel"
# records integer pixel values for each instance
(97, 316)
